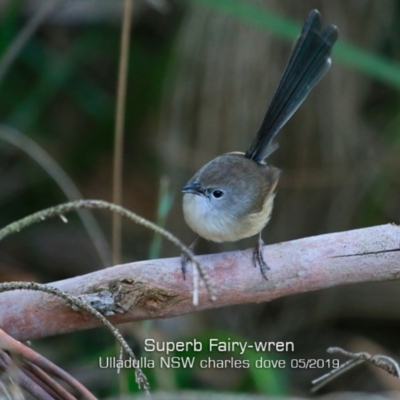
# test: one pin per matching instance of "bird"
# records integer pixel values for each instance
(231, 197)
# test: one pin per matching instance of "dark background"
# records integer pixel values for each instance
(201, 74)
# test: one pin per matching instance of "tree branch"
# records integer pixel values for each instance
(155, 288)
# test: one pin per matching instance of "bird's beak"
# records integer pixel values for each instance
(193, 188)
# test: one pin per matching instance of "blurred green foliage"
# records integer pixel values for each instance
(261, 17)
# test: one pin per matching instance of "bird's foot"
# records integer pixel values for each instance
(258, 258)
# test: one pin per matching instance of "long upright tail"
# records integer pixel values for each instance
(309, 62)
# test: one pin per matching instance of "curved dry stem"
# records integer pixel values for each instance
(91, 204)
(386, 363)
(73, 302)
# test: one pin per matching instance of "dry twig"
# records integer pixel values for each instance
(386, 363)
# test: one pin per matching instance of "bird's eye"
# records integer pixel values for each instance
(217, 193)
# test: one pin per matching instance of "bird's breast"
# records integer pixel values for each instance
(220, 225)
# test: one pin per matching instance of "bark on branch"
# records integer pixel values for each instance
(155, 288)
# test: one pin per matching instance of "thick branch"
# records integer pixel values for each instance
(155, 288)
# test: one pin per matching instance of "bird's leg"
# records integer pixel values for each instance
(185, 259)
(258, 258)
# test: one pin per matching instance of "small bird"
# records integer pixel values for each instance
(231, 197)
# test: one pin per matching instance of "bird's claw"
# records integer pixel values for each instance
(258, 257)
